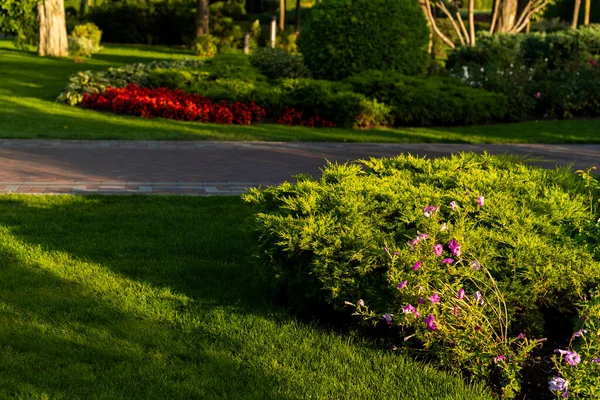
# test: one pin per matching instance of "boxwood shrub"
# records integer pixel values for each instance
(430, 101)
(398, 239)
(345, 37)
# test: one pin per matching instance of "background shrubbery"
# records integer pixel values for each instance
(367, 100)
(542, 74)
(341, 38)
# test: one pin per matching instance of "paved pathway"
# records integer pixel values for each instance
(209, 168)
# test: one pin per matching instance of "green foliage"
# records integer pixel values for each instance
(343, 37)
(97, 81)
(277, 63)
(430, 101)
(85, 40)
(19, 17)
(357, 233)
(542, 74)
(205, 46)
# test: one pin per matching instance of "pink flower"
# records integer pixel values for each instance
(438, 249)
(478, 297)
(456, 251)
(580, 333)
(430, 321)
(388, 318)
(447, 261)
(521, 336)
(500, 358)
(452, 244)
(361, 303)
(538, 95)
(480, 200)
(453, 205)
(434, 298)
(571, 357)
(394, 348)
(417, 315)
(558, 384)
(596, 360)
(409, 309)
(429, 211)
(593, 62)
(417, 265)
(416, 240)
(402, 285)
(461, 293)
(421, 300)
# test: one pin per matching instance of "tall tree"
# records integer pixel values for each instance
(586, 15)
(576, 14)
(202, 18)
(281, 14)
(53, 29)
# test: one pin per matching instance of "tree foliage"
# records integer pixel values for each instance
(19, 17)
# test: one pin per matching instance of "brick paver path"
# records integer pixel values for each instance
(208, 168)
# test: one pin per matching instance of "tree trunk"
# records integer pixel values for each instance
(281, 14)
(507, 15)
(576, 14)
(82, 7)
(472, 21)
(298, 9)
(53, 29)
(202, 18)
(586, 15)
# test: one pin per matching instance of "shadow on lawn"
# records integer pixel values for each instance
(65, 338)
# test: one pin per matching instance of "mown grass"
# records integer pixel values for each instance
(29, 85)
(161, 298)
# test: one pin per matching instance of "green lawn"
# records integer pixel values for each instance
(29, 85)
(160, 298)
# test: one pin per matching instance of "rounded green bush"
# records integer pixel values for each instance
(344, 37)
(205, 46)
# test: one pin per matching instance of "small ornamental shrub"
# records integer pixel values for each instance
(205, 46)
(85, 40)
(98, 81)
(464, 255)
(430, 101)
(277, 63)
(165, 103)
(344, 37)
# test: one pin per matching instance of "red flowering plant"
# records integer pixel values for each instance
(451, 304)
(292, 116)
(172, 104)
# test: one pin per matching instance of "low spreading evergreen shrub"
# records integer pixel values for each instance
(465, 255)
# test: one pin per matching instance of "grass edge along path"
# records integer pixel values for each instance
(160, 298)
(30, 84)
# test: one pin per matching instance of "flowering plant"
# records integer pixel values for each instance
(171, 104)
(578, 367)
(450, 303)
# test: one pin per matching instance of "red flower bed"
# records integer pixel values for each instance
(177, 104)
(291, 116)
(172, 104)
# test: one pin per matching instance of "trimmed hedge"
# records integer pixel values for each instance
(345, 37)
(430, 101)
